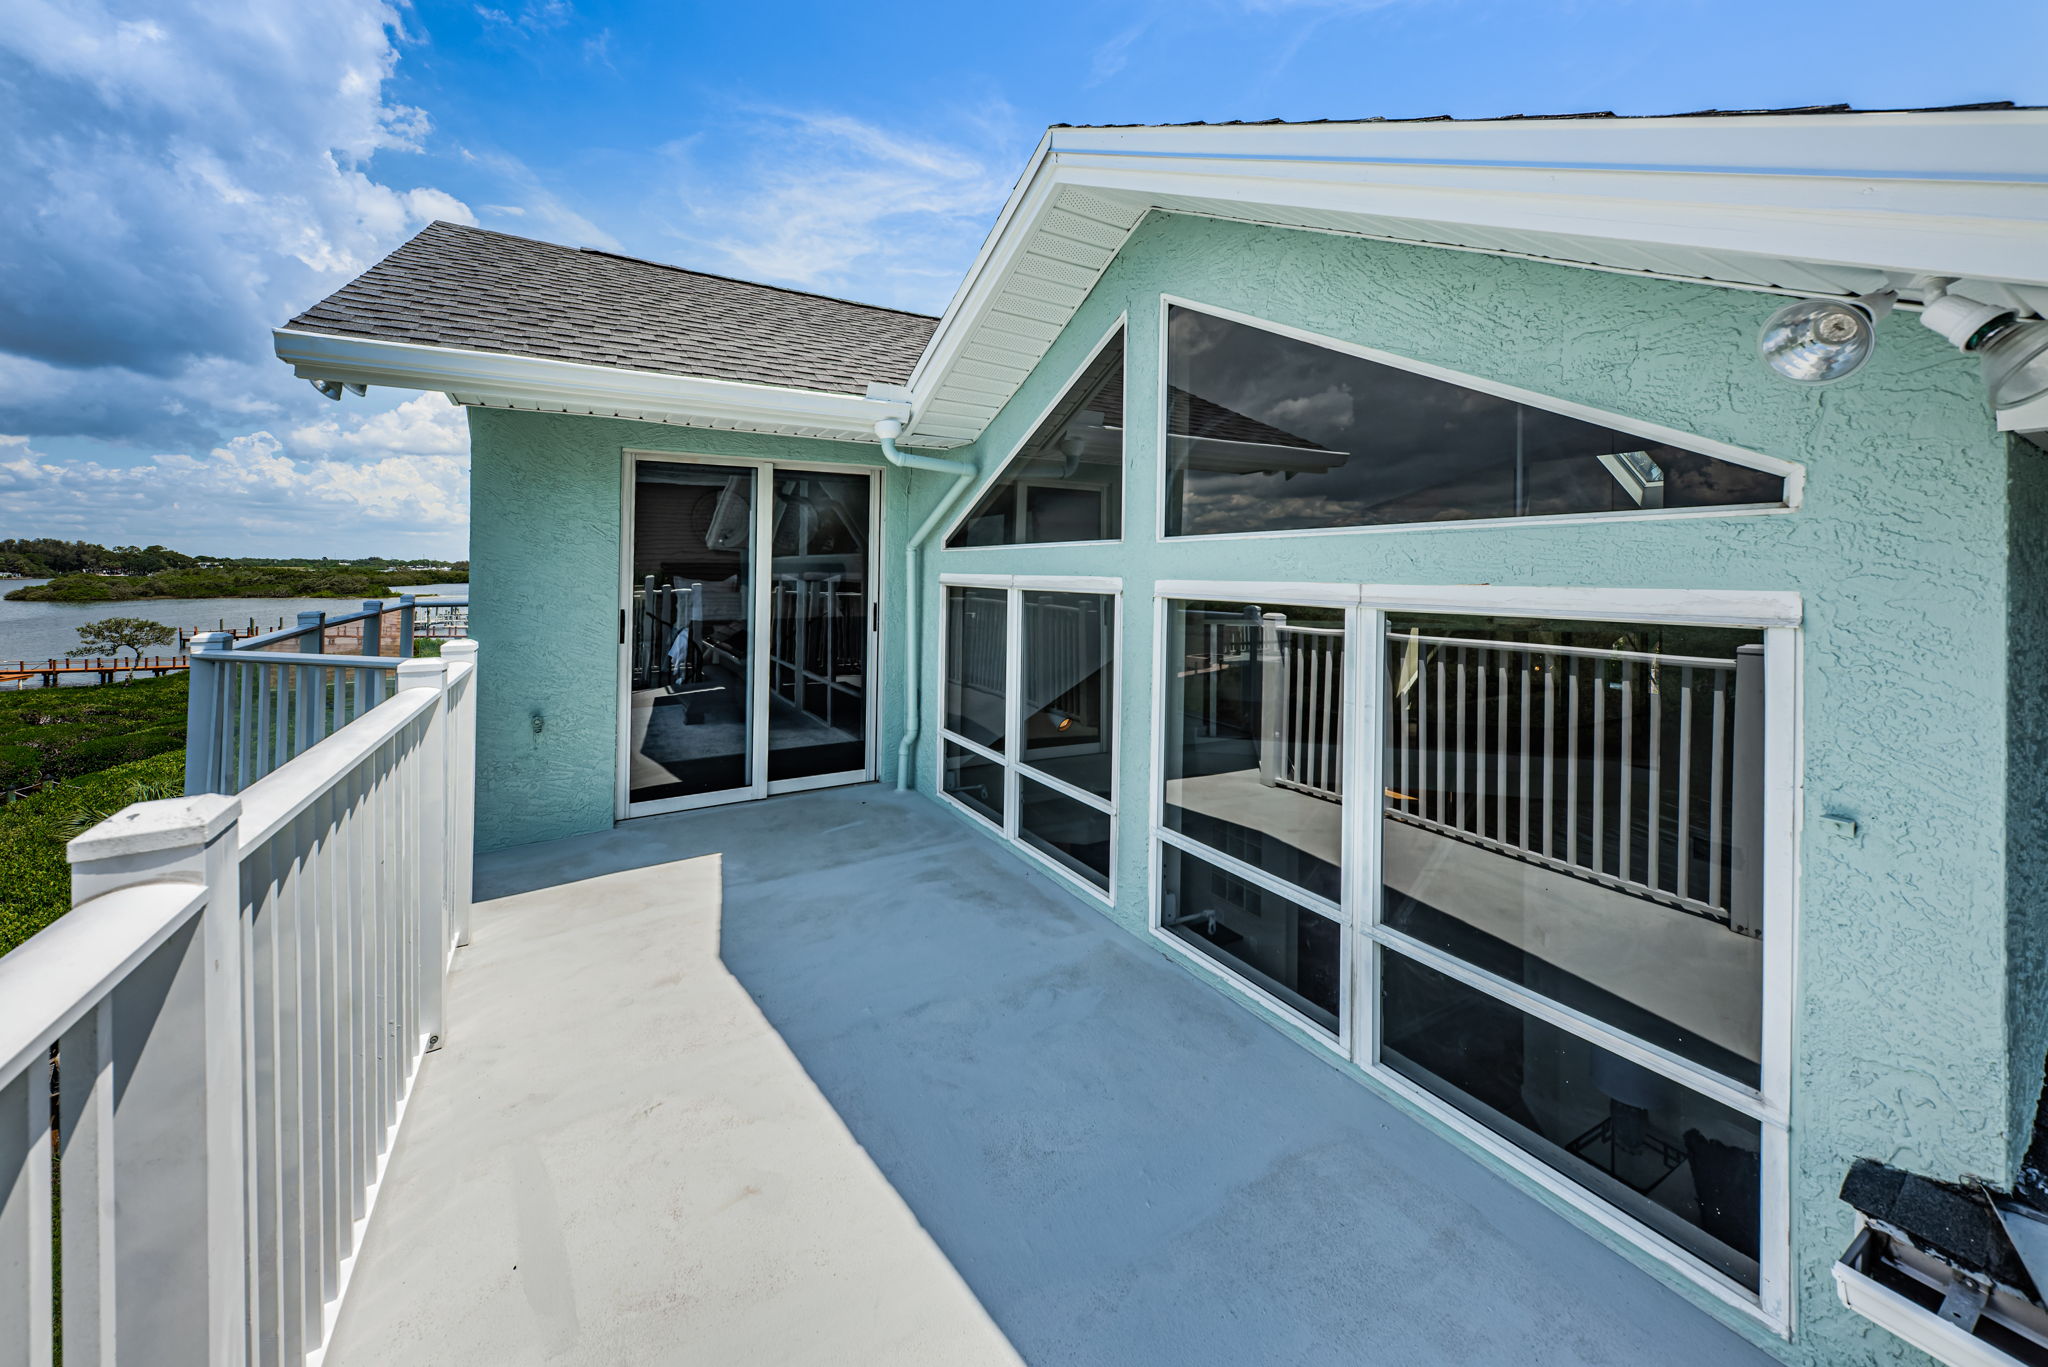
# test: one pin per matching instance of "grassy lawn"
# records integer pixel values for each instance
(63, 733)
(107, 745)
(35, 879)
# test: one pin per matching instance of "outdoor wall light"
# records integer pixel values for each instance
(2012, 353)
(1819, 341)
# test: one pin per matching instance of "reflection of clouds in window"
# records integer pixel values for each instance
(1267, 433)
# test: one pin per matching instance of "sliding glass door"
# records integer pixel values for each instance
(747, 629)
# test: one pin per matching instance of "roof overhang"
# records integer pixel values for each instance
(1800, 204)
(488, 379)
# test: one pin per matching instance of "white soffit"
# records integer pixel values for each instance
(489, 379)
(1800, 204)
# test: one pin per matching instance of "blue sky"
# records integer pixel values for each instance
(180, 175)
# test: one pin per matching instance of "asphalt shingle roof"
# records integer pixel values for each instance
(470, 288)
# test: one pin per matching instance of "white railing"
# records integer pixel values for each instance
(260, 701)
(1302, 672)
(1641, 771)
(232, 1014)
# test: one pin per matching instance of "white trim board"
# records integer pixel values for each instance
(1811, 204)
(491, 379)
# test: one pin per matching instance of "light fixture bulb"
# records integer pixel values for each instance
(1818, 341)
(2015, 359)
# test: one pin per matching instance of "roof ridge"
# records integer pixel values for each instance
(1804, 109)
(684, 270)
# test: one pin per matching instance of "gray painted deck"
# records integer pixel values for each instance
(833, 1079)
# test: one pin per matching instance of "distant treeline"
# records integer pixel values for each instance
(45, 558)
(234, 580)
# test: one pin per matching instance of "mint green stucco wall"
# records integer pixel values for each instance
(544, 557)
(1910, 939)
(1919, 1015)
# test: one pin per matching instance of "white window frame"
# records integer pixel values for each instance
(759, 606)
(1120, 328)
(1777, 615)
(1791, 472)
(1010, 759)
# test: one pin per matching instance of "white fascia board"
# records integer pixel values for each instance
(537, 382)
(1954, 194)
(1013, 228)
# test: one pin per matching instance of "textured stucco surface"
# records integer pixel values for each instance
(1919, 945)
(544, 554)
(1900, 550)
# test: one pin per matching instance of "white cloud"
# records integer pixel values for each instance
(186, 175)
(834, 203)
(551, 218)
(356, 484)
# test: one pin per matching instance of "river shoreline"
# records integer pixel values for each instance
(36, 632)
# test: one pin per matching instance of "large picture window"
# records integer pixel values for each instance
(1267, 433)
(1557, 898)
(1573, 812)
(1251, 829)
(1028, 711)
(1066, 482)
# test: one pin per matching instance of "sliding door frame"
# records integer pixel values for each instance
(760, 638)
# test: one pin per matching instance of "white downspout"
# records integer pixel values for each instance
(886, 432)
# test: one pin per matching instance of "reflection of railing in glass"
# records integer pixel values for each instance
(817, 658)
(1638, 770)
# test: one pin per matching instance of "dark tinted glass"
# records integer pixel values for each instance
(975, 781)
(1253, 754)
(1074, 834)
(1068, 706)
(818, 625)
(1067, 482)
(1266, 433)
(1287, 950)
(977, 623)
(692, 618)
(1578, 808)
(1683, 1165)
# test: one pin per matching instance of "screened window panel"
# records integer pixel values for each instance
(1068, 676)
(1072, 834)
(975, 781)
(1290, 951)
(977, 653)
(1268, 433)
(1686, 1166)
(1253, 732)
(1578, 808)
(1066, 482)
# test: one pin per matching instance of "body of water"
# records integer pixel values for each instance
(40, 631)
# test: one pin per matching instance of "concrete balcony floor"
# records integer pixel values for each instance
(833, 1079)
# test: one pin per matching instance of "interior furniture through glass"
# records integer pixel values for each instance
(744, 674)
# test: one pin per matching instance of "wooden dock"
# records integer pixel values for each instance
(50, 673)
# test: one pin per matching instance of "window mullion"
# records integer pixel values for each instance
(1686, 1074)
(1252, 873)
(1364, 742)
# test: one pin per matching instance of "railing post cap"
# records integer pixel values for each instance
(424, 673)
(150, 827)
(461, 646)
(213, 640)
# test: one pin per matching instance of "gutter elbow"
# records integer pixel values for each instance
(886, 432)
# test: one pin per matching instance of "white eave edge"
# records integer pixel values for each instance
(498, 379)
(1957, 194)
